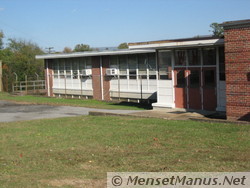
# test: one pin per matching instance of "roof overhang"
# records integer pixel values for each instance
(91, 54)
(178, 44)
(235, 24)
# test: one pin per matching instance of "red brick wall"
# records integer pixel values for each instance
(237, 57)
(49, 78)
(106, 79)
(96, 79)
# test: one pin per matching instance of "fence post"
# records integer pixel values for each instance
(37, 76)
(1, 76)
(26, 84)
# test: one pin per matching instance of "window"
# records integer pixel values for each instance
(81, 64)
(143, 64)
(132, 64)
(84, 63)
(181, 80)
(68, 68)
(88, 63)
(75, 64)
(123, 65)
(194, 78)
(209, 56)
(61, 68)
(222, 63)
(194, 57)
(209, 78)
(55, 68)
(165, 65)
(180, 58)
(113, 62)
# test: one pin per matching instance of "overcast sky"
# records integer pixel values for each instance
(107, 23)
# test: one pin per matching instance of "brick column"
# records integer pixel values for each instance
(96, 78)
(49, 78)
(106, 79)
(101, 84)
(237, 57)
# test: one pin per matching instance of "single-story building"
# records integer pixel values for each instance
(201, 73)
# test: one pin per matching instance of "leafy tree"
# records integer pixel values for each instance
(67, 50)
(82, 48)
(19, 57)
(218, 30)
(1, 40)
(123, 46)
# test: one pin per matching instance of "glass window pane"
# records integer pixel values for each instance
(151, 62)
(81, 64)
(113, 62)
(88, 62)
(180, 58)
(209, 56)
(142, 64)
(123, 77)
(61, 68)
(132, 64)
(75, 64)
(123, 64)
(194, 57)
(181, 81)
(209, 78)
(61, 65)
(165, 64)
(194, 78)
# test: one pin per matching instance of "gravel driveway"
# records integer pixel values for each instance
(10, 111)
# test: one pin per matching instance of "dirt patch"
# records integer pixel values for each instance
(78, 183)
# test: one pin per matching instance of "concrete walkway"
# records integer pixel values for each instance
(176, 114)
(10, 111)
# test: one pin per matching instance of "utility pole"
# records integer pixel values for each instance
(49, 49)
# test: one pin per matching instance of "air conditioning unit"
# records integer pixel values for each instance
(87, 72)
(111, 71)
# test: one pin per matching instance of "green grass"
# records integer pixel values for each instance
(79, 151)
(90, 103)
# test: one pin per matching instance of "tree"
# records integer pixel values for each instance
(123, 46)
(19, 57)
(1, 40)
(67, 50)
(82, 48)
(218, 30)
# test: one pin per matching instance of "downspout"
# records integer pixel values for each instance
(48, 81)
(101, 78)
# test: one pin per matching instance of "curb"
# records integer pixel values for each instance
(95, 113)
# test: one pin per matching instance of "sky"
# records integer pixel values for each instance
(107, 23)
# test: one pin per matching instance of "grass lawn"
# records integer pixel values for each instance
(78, 151)
(90, 103)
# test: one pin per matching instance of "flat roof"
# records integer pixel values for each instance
(178, 43)
(235, 23)
(94, 53)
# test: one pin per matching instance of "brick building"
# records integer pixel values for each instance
(201, 73)
(237, 55)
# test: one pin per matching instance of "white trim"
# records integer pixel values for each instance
(217, 72)
(164, 105)
(180, 44)
(173, 77)
(90, 54)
